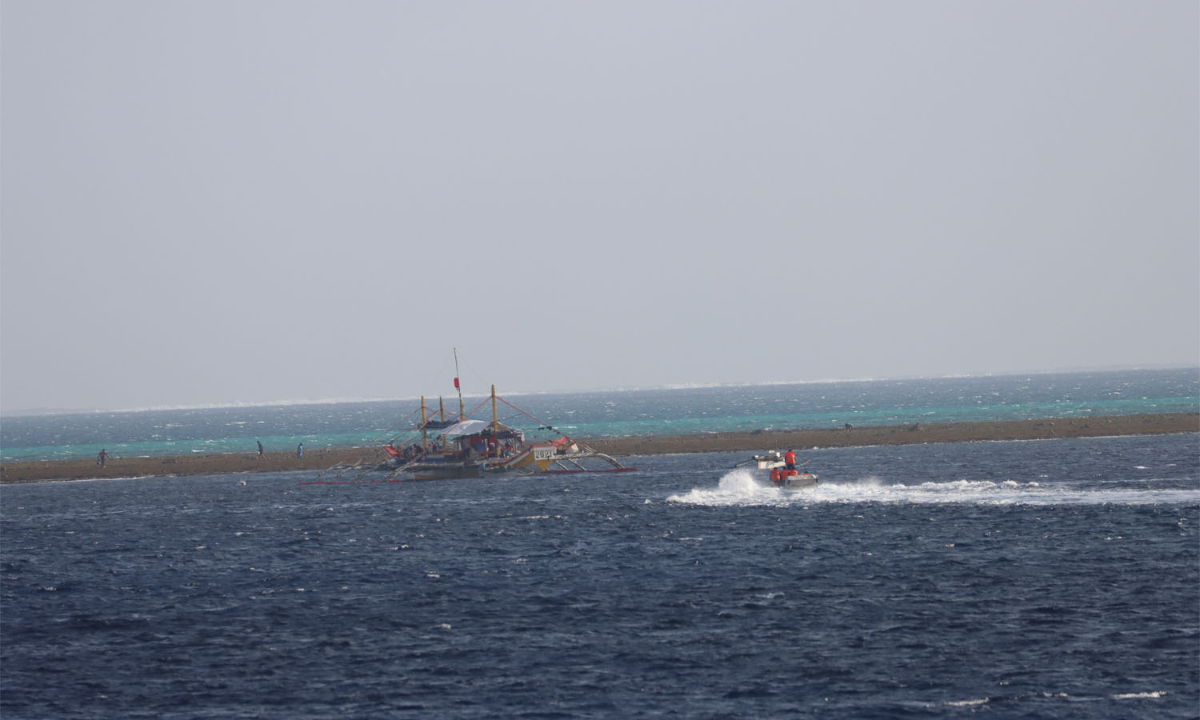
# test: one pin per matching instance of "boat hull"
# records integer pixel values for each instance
(442, 471)
(801, 481)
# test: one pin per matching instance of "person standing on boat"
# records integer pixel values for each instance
(789, 459)
(776, 476)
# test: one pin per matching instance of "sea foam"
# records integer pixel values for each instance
(743, 487)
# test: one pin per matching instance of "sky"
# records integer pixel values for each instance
(228, 201)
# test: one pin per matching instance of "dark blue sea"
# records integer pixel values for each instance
(1048, 579)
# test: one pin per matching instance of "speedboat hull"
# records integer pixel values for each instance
(803, 481)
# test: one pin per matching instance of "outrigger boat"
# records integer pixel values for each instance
(471, 448)
(781, 476)
(449, 447)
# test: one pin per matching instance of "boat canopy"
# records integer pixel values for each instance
(479, 427)
(467, 427)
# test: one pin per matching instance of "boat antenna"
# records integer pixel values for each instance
(461, 414)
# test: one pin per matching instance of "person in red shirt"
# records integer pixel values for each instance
(789, 459)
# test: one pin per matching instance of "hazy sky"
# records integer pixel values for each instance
(213, 202)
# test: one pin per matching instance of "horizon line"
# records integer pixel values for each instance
(37, 411)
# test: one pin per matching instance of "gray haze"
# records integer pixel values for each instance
(214, 202)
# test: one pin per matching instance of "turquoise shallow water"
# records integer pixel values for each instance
(616, 413)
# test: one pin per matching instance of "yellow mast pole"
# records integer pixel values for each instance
(441, 409)
(424, 432)
(495, 422)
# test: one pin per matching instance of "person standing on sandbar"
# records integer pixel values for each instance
(260, 448)
(102, 457)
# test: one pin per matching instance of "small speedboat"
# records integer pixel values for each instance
(781, 476)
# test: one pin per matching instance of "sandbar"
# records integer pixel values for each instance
(1002, 430)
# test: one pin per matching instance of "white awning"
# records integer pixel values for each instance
(466, 427)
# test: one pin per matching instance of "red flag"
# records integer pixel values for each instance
(455, 383)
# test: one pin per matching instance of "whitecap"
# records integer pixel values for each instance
(968, 703)
(739, 487)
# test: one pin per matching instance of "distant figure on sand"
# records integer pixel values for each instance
(102, 458)
(300, 450)
(260, 449)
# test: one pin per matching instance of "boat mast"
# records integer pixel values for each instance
(495, 422)
(461, 412)
(424, 431)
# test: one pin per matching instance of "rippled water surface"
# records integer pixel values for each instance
(1055, 579)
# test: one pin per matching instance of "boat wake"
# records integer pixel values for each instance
(739, 487)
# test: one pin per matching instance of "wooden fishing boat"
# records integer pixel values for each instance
(471, 448)
(445, 446)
